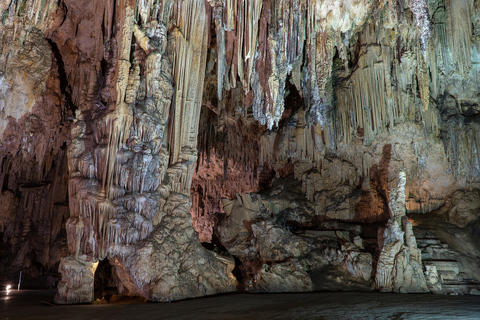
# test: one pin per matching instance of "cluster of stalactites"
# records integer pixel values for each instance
(397, 69)
(31, 13)
(259, 43)
(114, 188)
(262, 43)
(118, 189)
(389, 62)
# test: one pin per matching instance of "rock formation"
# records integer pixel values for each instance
(127, 190)
(399, 266)
(264, 231)
(307, 144)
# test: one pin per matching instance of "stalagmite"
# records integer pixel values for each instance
(399, 266)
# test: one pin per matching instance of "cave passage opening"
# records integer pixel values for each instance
(105, 282)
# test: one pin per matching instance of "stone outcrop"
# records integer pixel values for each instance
(34, 130)
(79, 286)
(266, 232)
(463, 208)
(449, 255)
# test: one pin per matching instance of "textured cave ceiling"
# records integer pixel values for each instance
(173, 149)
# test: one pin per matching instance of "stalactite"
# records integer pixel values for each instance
(459, 35)
(249, 27)
(120, 130)
(422, 17)
(189, 57)
(220, 50)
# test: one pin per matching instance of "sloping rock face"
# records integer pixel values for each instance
(124, 123)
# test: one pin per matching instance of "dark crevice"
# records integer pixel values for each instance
(5, 182)
(112, 31)
(101, 79)
(132, 50)
(64, 86)
(104, 66)
(103, 26)
(104, 281)
(239, 274)
(62, 6)
(239, 270)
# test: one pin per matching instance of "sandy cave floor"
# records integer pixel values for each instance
(27, 304)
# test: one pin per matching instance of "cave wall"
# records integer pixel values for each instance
(124, 123)
(130, 150)
(384, 99)
(381, 87)
(33, 150)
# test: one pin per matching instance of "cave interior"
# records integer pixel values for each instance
(168, 149)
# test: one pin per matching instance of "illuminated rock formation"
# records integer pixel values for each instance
(399, 266)
(34, 130)
(127, 190)
(266, 232)
(322, 124)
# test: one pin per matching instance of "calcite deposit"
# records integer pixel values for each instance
(195, 147)
(264, 231)
(399, 266)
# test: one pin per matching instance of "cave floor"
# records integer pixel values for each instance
(27, 304)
